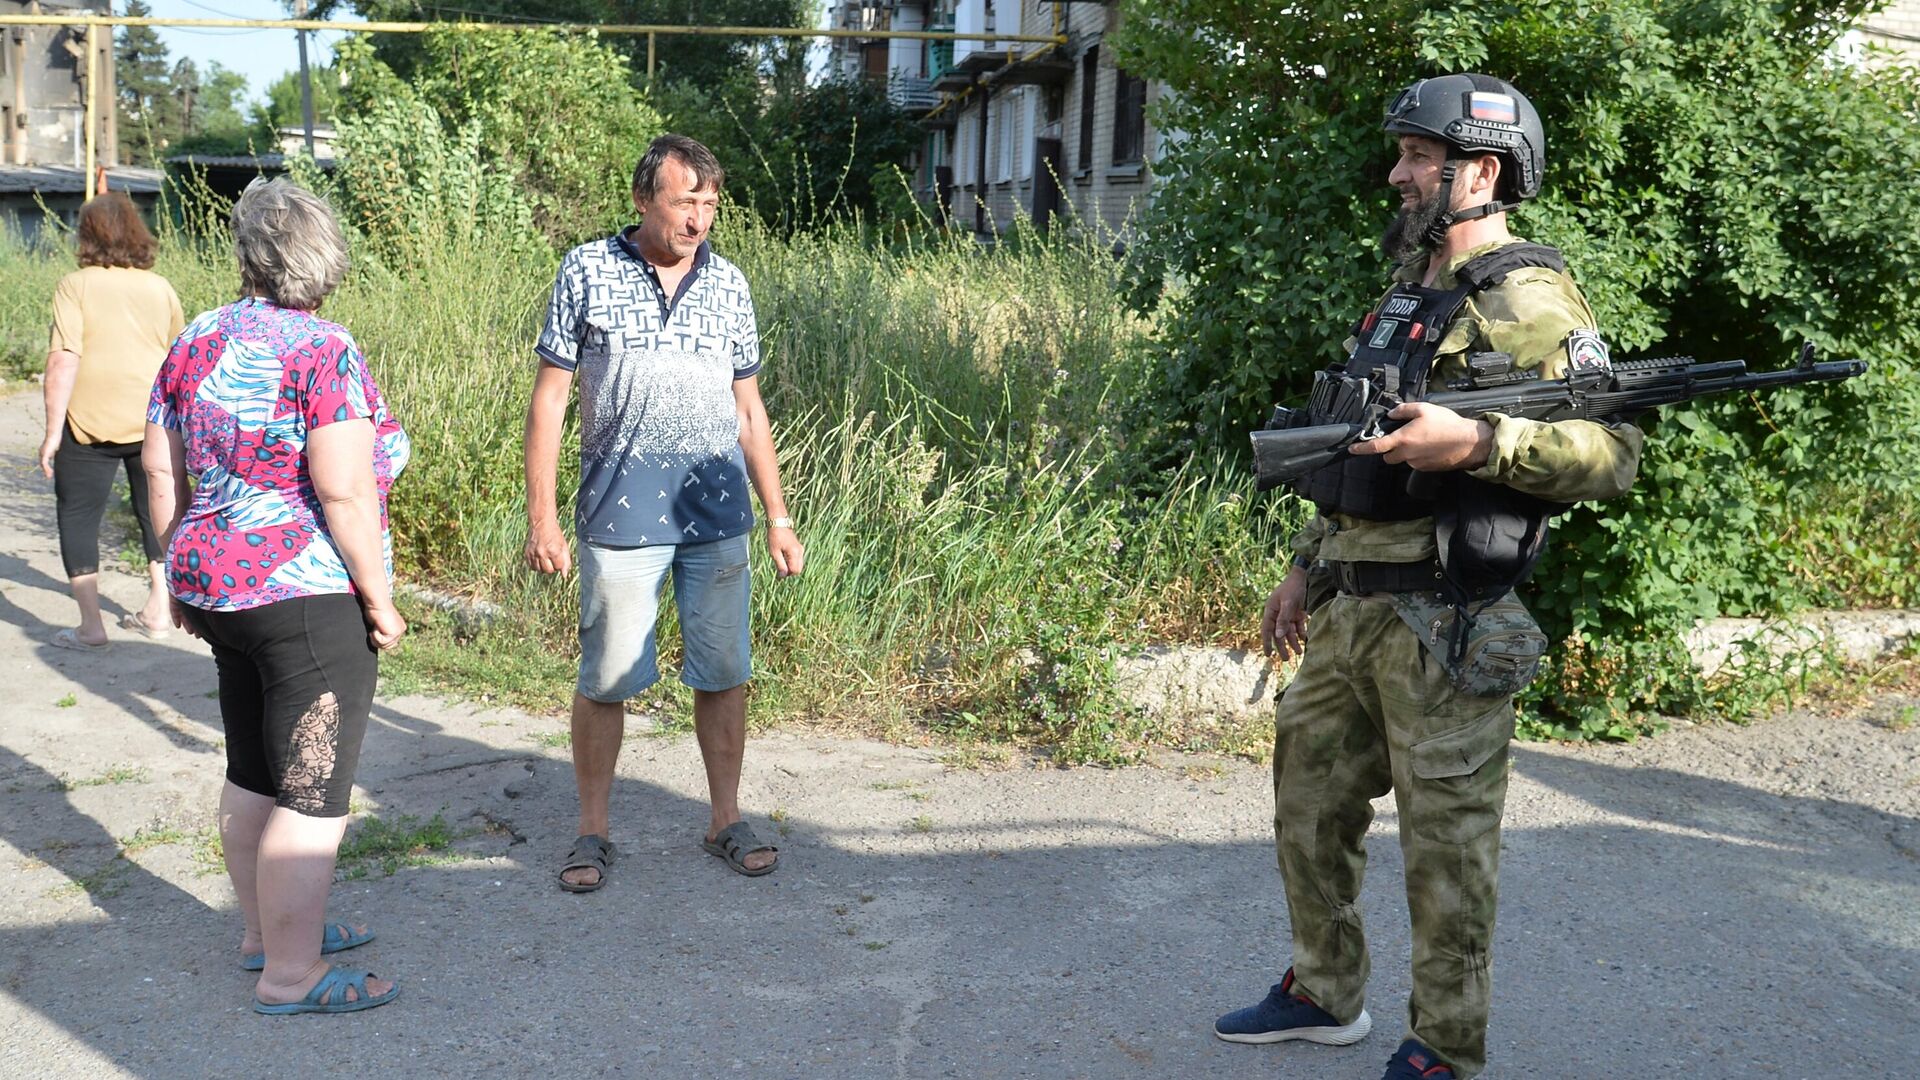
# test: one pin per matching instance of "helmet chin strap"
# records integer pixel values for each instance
(1437, 232)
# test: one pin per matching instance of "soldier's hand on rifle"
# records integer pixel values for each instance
(1283, 624)
(1433, 438)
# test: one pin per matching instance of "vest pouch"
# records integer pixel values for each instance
(1490, 535)
(1504, 644)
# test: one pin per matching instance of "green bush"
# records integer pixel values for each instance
(553, 113)
(803, 155)
(1720, 187)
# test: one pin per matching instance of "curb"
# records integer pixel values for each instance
(1196, 682)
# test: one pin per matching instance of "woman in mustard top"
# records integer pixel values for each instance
(113, 321)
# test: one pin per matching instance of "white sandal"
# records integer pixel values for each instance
(69, 638)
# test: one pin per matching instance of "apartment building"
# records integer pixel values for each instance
(1015, 131)
(44, 72)
(43, 119)
(1895, 27)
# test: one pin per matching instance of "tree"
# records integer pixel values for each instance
(208, 105)
(696, 59)
(1720, 185)
(208, 111)
(846, 141)
(149, 115)
(281, 107)
(552, 112)
(797, 154)
(220, 95)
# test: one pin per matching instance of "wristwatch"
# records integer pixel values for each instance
(782, 522)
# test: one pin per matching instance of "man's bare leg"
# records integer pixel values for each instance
(597, 729)
(720, 723)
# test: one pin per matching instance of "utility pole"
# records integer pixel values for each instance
(306, 77)
(91, 114)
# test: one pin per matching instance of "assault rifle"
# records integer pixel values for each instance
(1354, 408)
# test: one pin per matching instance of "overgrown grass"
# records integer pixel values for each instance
(952, 425)
(949, 425)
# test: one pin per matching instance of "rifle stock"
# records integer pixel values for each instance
(1287, 454)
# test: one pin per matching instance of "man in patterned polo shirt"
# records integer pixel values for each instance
(661, 333)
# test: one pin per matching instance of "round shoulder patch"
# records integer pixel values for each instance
(1586, 352)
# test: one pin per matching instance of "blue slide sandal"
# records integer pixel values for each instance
(339, 938)
(329, 995)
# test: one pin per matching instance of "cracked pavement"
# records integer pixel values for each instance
(1719, 901)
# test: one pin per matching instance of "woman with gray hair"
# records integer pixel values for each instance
(281, 562)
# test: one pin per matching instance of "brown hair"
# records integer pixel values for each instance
(706, 169)
(112, 234)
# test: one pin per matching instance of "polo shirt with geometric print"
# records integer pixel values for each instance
(660, 459)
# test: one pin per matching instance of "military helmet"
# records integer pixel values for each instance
(1477, 114)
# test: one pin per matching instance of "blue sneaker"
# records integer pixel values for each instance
(1413, 1061)
(1285, 1015)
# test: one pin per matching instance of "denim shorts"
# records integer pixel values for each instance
(620, 591)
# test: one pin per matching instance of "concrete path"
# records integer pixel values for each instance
(1717, 902)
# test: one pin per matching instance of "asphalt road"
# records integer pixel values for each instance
(1717, 902)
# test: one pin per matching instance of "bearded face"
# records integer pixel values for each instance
(1407, 236)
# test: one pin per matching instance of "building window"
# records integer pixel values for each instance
(1089, 86)
(1129, 117)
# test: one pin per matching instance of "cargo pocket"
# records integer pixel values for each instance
(1460, 778)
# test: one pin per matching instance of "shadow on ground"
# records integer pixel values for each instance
(1028, 923)
(988, 950)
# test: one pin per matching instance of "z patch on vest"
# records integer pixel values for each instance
(1586, 352)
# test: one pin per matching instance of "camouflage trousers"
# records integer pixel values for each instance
(1371, 711)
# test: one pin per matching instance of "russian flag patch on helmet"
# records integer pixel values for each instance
(1498, 108)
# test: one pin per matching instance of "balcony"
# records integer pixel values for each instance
(952, 79)
(945, 120)
(981, 60)
(1049, 69)
(939, 54)
(911, 94)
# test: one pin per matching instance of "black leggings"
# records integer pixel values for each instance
(82, 483)
(296, 683)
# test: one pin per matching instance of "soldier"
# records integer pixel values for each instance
(1417, 641)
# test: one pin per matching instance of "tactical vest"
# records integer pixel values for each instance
(1492, 533)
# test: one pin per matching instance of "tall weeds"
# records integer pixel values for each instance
(951, 436)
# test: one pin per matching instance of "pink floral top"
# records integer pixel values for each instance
(244, 384)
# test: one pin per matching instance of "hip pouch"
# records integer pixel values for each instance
(1487, 650)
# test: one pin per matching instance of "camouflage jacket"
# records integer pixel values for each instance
(1529, 315)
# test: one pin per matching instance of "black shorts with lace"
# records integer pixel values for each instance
(296, 684)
